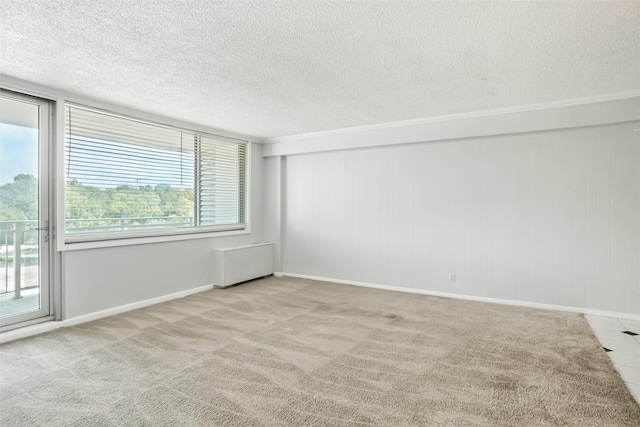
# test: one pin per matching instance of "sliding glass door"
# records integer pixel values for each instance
(24, 209)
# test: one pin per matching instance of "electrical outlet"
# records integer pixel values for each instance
(452, 277)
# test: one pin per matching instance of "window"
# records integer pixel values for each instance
(130, 178)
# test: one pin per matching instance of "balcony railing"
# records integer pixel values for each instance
(19, 250)
(19, 241)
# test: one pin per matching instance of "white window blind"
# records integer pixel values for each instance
(126, 176)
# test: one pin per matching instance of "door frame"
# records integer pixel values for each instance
(46, 246)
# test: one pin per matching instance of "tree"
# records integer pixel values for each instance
(19, 199)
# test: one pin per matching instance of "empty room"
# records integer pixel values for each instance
(319, 213)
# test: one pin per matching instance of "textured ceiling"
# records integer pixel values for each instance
(269, 69)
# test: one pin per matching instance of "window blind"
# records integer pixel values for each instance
(126, 175)
(220, 178)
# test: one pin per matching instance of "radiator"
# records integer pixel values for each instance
(241, 263)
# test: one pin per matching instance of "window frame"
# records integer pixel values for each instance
(72, 242)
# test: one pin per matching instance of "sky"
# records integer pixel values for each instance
(108, 164)
(19, 155)
(18, 152)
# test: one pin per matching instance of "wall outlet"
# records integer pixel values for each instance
(452, 277)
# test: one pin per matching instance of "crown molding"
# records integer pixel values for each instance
(593, 110)
(481, 113)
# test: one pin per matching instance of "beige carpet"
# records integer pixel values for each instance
(280, 352)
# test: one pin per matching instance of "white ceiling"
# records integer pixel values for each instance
(269, 69)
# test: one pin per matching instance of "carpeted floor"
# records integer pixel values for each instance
(283, 351)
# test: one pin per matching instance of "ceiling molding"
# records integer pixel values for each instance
(596, 110)
(277, 68)
(483, 113)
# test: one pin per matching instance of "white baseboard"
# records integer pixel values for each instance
(604, 313)
(40, 328)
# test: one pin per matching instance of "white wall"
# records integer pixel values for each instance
(274, 204)
(99, 279)
(93, 280)
(547, 217)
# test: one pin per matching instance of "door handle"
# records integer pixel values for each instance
(45, 228)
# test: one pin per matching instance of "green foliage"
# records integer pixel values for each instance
(19, 200)
(125, 201)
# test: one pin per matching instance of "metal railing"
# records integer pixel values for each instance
(19, 246)
(122, 224)
(18, 239)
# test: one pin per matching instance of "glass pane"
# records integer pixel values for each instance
(19, 210)
(127, 176)
(124, 176)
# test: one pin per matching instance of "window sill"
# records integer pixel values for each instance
(143, 240)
